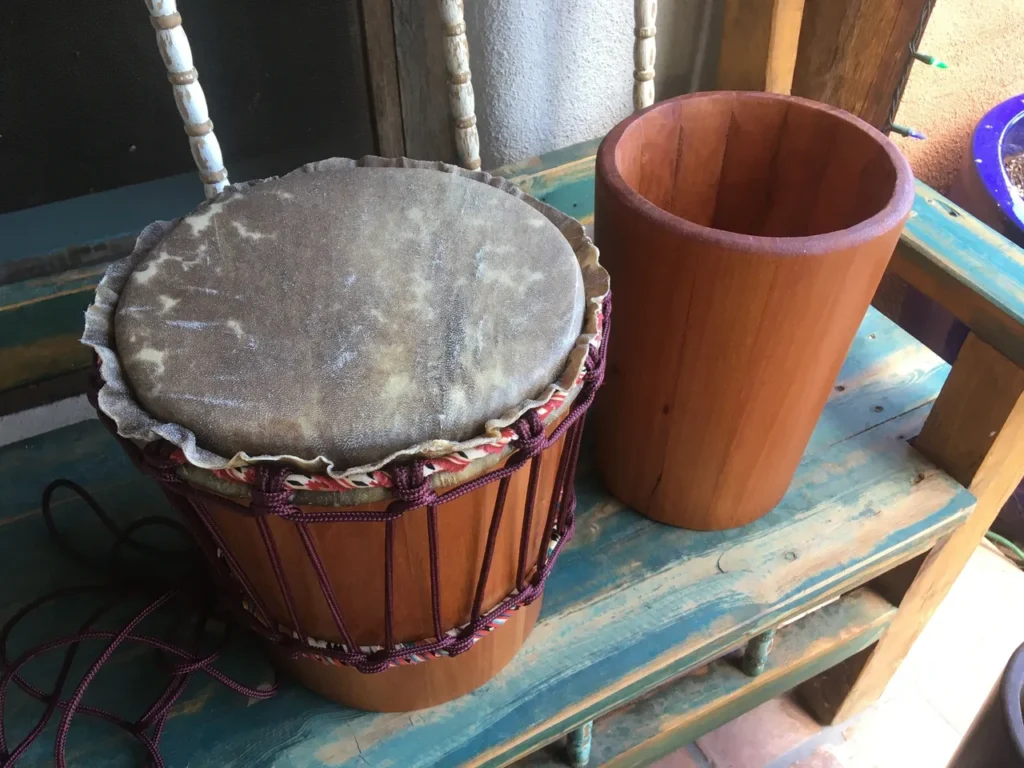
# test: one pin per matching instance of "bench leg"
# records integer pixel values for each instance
(577, 745)
(756, 654)
(975, 432)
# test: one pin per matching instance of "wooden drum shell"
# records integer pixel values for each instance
(353, 557)
(729, 333)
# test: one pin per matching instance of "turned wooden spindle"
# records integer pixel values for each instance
(645, 12)
(460, 86)
(188, 94)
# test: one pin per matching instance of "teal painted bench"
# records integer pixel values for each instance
(649, 636)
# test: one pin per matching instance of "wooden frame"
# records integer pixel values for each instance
(382, 73)
(759, 45)
(856, 54)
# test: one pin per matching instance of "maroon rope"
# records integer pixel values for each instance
(435, 570)
(531, 496)
(492, 537)
(123, 584)
(389, 584)
(325, 584)
(556, 499)
(234, 567)
(573, 446)
(278, 568)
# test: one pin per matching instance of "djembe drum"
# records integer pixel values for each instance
(364, 385)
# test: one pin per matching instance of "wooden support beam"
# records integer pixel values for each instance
(382, 68)
(759, 45)
(975, 433)
(855, 54)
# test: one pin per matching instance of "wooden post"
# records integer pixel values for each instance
(855, 54)
(382, 69)
(759, 45)
(755, 655)
(460, 86)
(188, 94)
(578, 743)
(975, 432)
(645, 14)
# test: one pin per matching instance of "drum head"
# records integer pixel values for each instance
(349, 313)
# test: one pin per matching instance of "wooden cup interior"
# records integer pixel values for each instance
(757, 166)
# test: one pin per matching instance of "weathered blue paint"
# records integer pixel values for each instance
(577, 745)
(679, 712)
(631, 605)
(755, 655)
(92, 218)
(969, 268)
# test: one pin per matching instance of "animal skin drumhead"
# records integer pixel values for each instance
(349, 313)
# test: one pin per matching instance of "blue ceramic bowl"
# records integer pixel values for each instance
(998, 135)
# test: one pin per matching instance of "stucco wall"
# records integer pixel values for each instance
(547, 73)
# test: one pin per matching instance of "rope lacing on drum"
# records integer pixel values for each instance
(270, 494)
(410, 489)
(530, 437)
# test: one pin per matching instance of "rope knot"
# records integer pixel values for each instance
(157, 464)
(270, 493)
(409, 485)
(530, 433)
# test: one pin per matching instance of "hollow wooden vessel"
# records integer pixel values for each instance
(745, 234)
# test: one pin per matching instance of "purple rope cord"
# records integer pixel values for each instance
(123, 583)
(325, 585)
(524, 542)
(435, 574)
(492, 537)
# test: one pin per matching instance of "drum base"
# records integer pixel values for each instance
(417, 686)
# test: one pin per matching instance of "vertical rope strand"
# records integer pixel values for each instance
(233, 565)
(569, 495)
(556, 496)
(435, 570)
(275, 562)
(492, 536)
(389, 585)
(325, 584)
(531, 496)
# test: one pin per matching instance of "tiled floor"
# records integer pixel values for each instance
(923, 713)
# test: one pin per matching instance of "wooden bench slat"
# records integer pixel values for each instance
(681, 712)
(631, 605)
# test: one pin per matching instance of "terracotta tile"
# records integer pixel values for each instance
(755, 739)
(963, 649)
(904, 731)
(681, 758)
(822, 757)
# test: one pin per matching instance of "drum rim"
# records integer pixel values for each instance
(317, 480)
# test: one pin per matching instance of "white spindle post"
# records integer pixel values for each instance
(188, 94)
(645, 12)
(460, 87)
